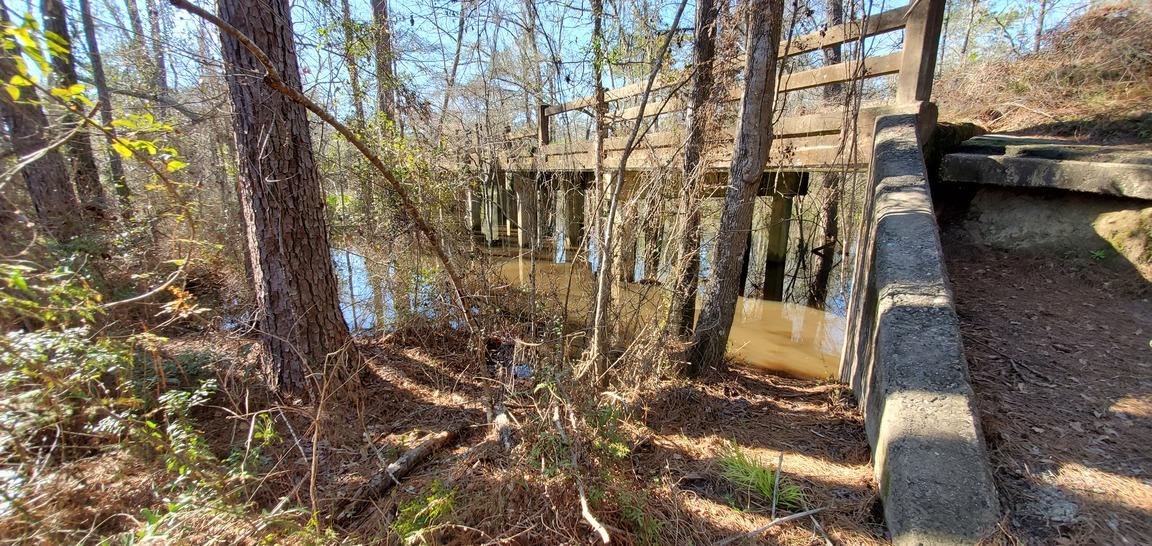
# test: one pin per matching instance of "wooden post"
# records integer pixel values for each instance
(921, 43)
(491, 208)
(475, 203)
(507, 202)
(562, 229)
(542, 123)
(787, 186)
(524, 190)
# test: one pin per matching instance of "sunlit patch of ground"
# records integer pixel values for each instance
(1062, 370)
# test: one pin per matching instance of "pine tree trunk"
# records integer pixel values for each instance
(52, 193)
(753, 142)
(594, 206)
(79, 150)
(115, 163)
(1038, 38)
(450, 80)
(136, 38)
(968, 31)
(683, 310)
(303, 331)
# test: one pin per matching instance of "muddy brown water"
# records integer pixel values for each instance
(780, 337)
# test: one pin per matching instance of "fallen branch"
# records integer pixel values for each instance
(383, 482)
(816, 524)
(585, 511)
(774, 523)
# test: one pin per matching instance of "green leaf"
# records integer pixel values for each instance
(21, 66)
(20, 81)
(16, 280)
(175, 165)
(122, 150)
(13, 91)
(145, 145)
(57, 45)
(124, 123)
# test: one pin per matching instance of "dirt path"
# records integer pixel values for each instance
(1061, 363)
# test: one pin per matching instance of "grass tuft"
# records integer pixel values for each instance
(748, 473)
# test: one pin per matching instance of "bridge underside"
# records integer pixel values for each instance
(550, 211)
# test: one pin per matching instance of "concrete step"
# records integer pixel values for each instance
(1123, 171)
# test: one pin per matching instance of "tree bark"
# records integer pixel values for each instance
(367, 196)
(115, 163)
(753, 142)
(624, 269)
(160, 65)
(968, 31)
(824, 255)
(595, 202)
(85, 174)
(303, 331)
(1039, 36)
(52, 193)
(683, 309)
(451, 75)
(385, 80)
(136, 38)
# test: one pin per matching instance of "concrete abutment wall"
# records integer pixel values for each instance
(904, 359)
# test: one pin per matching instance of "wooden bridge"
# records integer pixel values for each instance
(820, 140)
(547, 168)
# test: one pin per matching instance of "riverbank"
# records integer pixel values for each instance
(650, 464)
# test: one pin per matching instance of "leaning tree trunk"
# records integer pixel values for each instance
(683, 310)
(115, 162)
(302, 329)
(753, 141)
(79, 150)
(47, 176)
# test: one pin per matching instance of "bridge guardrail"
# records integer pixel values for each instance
(904, 359)
(804, 142)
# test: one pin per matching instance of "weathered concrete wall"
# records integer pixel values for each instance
(1062, 224)
(904, 359)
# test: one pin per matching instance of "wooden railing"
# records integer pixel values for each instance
(802, 142)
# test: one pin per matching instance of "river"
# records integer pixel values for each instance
(780, 337)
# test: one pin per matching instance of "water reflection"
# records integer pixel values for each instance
(376, 296)
(782, 337)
